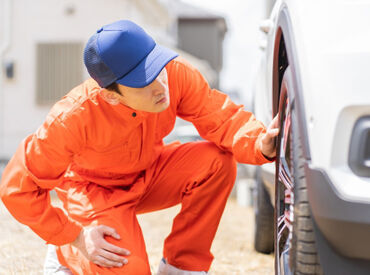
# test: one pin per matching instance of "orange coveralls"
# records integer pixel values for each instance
(109, 163)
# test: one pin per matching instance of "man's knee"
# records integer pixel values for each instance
(225, 160)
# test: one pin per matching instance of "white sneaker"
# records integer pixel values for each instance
(167, 269)
(52, 265)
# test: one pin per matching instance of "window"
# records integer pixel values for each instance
(59, 69)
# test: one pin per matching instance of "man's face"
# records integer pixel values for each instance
(152, 98)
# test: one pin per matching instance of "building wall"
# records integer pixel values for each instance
(52, 21)
(203, 39)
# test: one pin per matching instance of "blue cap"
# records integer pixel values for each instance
(124, 53)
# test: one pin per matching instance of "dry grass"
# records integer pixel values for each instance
(22, 252)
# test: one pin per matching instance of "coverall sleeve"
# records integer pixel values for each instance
(217, 118)
(39, 165)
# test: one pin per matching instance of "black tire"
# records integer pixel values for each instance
(264, 218)
(304, 258)
(295, 245)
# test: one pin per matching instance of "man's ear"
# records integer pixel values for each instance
(110, 97)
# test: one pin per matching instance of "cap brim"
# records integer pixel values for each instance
(149, 68)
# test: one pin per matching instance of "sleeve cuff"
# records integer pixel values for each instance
(269, 159)
(262, 158)
(70, 232)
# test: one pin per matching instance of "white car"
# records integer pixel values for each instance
(315, 72)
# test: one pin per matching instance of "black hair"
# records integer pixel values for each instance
(113, 88)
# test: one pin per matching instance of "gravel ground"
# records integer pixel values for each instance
(22, 252)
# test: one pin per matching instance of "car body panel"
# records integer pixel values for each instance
(328, 49)
(332, 44)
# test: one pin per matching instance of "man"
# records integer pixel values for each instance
(101, 149)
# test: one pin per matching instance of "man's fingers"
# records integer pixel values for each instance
(275, 122)
(270, 135)
(267, 143)
(273, 132)
(101, 261)
(106, 230)
(115, 249)
(112, 257)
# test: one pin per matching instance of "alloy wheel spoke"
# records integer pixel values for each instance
(286, 188)
(284, 174)
(280, 220)
(286, 126)
(281, 228)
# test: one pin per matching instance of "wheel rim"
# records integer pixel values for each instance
(284, 190)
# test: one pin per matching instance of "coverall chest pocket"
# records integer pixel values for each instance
(135, 144)
(105, 158)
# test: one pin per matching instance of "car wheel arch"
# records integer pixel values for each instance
(284, 55)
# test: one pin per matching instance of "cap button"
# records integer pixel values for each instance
(100, 30)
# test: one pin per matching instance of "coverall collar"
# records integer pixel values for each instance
(133, 117)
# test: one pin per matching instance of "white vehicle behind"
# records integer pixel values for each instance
(316, 199)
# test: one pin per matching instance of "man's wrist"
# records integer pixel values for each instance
(70, 231)
(77, 241)
(269, 158)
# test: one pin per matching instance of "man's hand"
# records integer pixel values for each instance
(96, 249)
(267, 142)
